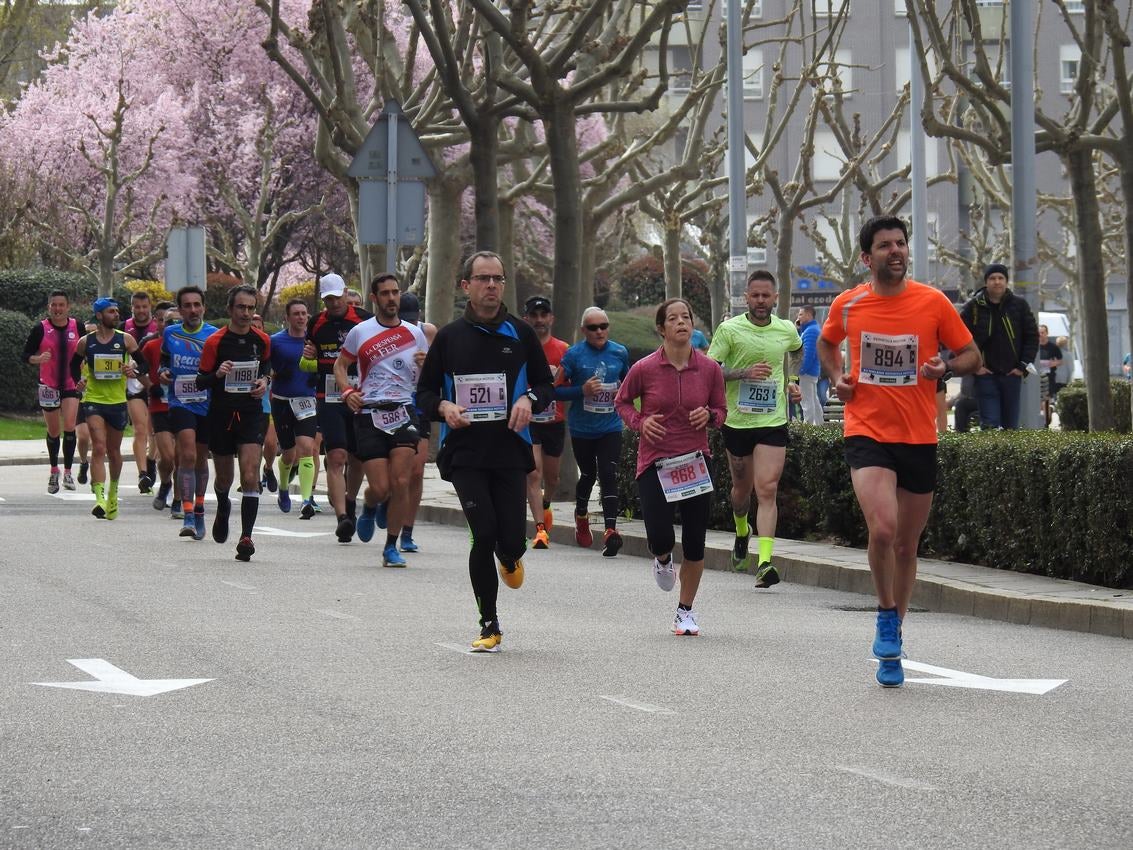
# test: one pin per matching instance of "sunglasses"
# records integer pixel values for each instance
(599, 327)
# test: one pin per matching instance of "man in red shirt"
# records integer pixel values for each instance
(895, 328)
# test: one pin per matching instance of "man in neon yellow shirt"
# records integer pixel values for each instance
(751, 348)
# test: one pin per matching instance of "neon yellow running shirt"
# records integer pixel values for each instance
(737, 344)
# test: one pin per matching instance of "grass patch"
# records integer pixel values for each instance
(15, 427)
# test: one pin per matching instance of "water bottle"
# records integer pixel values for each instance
(600, 372)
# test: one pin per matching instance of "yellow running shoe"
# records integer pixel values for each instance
(512, 576)
(542, 541)
(489, 640)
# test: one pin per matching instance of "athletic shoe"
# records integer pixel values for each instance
(489, 640)
(665, 574)
(220, 521)
(611, 543)
(284, 500)
(98, 511)
(145, 484)
(542, 541)
(244, 549)
(381, 514)
(548, 518)
(365, 524)
(318, 508)
(408, 544)
(345, 529)
(161, 500)
(308, 509)
(685, 623)
(513, 575)
(391, 557)
(766, 575)
(739, 553)
(68, 481)
(890, 674)
(189, 529)
(582, 533)
(199, 524)
(175, 511)
(53, 483)
(887, 636)
(269, 480)
(84, 468)
(112, 507)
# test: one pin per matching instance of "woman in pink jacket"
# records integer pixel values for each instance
(682, 394)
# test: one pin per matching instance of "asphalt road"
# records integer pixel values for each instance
(343, 710)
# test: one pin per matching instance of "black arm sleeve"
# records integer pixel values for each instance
(31, 347)
(76, 367)
(1030, 335)
(431, 379)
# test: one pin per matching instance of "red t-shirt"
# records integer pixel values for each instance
(891, 337)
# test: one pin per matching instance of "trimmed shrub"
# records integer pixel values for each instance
(19, 380)
(26, 290)
(1045, 502)
(216, 294)
(1072, 406)
(155, 288)
(304, 290)
(642, 282)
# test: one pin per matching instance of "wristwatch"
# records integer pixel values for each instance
(948, 375)
(531, 396)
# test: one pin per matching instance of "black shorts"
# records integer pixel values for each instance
(372, 443)
(160, 421)
(336, 421)
(114, 415)
(230, 429)
(915, 464)
(142, 395)
(183, 419)
(62, 395)
(288, 426)
(549, 436)
(741, 442)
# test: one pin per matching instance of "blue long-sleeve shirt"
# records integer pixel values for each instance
(809, 334)
(595, 416)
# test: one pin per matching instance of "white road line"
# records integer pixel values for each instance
(464, 650)
(237, 585)
(338, 615)
(894, 781)
(640, 706)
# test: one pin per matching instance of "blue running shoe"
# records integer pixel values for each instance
(408, 544)
(318, 508)
(381, 514)
(391, 557)
(887, 638)
(890, 674)
(198, 525)
(189, 528)
(365, 527)
(284, 500)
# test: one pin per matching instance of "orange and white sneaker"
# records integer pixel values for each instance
(582, 533)
(548, 518)
(541, 541)
(512, 575)
(489, 640)
(611, 543)
(685, 623)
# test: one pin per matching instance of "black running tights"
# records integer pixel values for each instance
(660, 515)
(597, 459)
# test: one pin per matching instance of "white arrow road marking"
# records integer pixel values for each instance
(338, 615)
(960, 679)
(280, 532)
(885, 778)
(463, 650)
(237, 585)
(113, 680)
(640, 706)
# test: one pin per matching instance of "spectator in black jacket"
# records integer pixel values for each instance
(1005, 330)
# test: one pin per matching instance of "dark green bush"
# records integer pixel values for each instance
(26, 290)
(1073, 414)
(1044, 502)
(19, 380)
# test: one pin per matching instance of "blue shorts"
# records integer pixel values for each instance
(114, 415)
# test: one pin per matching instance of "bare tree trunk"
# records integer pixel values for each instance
(1091, 282)
(1127, 193)
(505, 247)
(586, 281)
(672, 256)
(783, 252)
(482, 156)
(444, 250)
(562, 147)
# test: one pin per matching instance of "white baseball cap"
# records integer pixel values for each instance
(331, 284)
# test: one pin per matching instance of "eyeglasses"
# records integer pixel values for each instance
(489, 278)
(601, 326)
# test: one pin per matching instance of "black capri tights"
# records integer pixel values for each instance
(495, 504)
(597, 459)
(659, 517)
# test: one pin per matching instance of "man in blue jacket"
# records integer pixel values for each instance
(594, 368)
(810, 370)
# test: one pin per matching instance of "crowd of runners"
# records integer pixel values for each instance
(356, 393)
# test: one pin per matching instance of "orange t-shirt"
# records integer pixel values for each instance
(553, 350)
(891, 337)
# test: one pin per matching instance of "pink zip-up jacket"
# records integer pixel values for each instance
(674, 394)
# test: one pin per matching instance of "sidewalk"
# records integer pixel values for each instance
(942, 586)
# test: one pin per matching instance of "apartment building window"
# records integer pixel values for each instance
(842, 69)
(828, 8)
(753, 74)
(828, 159)
(1068, 57)
(756, 8)
(904, 153)
(902, 69)
(899, 9)
(680, 69)
(1076, 7)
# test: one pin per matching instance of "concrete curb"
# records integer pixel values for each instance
(935, 593)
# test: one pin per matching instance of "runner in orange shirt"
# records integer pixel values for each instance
(895, 328)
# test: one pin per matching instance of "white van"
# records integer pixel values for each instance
(1058, 325)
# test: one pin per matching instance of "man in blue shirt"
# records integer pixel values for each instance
(594, 368)
(810, 370)
(293, 406)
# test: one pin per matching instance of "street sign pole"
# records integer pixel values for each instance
(391, 198)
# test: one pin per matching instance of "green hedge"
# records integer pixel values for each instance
(1073, 414)
(19, 380)
(1049, 503)
(27, 290)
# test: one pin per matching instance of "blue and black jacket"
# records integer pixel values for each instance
(468, 346)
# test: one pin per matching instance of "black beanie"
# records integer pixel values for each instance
(996, 268)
